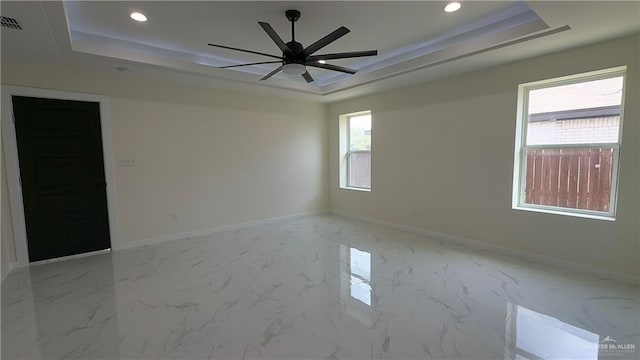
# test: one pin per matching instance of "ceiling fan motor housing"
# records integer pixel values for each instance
(294, 55)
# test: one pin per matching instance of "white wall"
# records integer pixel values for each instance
(214, 166)
(8, 251)
(442, 161)
(213, 158)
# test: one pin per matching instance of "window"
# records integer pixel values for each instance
(355, 151)
(567, 144)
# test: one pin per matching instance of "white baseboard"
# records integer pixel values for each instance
(212, 230)
(523, 255)
(70, 257)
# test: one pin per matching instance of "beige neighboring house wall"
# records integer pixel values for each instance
(574, 131)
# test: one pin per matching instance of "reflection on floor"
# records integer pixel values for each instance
(538, 336)
(316, 287)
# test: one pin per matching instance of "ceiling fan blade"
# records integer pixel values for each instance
(256, 63)
(340, 32)
(331, 67)
(307, 77)
(342, 55)
(272, 73)
(247, 51)
(274, 36)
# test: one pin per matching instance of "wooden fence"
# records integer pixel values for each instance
(577, 178)
(360, 169)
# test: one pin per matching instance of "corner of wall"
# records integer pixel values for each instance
(7, 268)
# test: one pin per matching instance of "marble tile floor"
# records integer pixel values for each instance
(314, 288)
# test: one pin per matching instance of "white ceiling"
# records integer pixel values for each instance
(416, 40)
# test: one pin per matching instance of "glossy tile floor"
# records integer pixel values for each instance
(314, 288)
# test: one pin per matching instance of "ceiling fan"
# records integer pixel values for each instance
(295, 58)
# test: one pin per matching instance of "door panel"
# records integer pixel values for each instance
(62, 176)
(67, 204)
(63, 172)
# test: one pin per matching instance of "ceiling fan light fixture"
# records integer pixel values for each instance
(294, 69)
(452, 7)
(138, 16)
(322, 62)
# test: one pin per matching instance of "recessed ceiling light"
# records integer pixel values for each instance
(322, 61)
(452, 6)
(138, 16)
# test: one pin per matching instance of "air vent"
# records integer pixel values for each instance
(11, 23)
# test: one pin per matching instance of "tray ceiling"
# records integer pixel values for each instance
(416, 40)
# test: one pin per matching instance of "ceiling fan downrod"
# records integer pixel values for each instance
(292, 16)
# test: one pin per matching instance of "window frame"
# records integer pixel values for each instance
(521, 147)
(345, 126)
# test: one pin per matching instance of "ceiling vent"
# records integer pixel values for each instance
(11, 23)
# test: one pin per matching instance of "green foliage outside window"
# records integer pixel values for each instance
(360, 133)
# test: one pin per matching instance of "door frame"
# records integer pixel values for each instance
(13, 167)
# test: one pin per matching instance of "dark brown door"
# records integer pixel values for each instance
(62, 176)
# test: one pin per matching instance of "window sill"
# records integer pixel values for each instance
(605, 217)
(354, 188)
